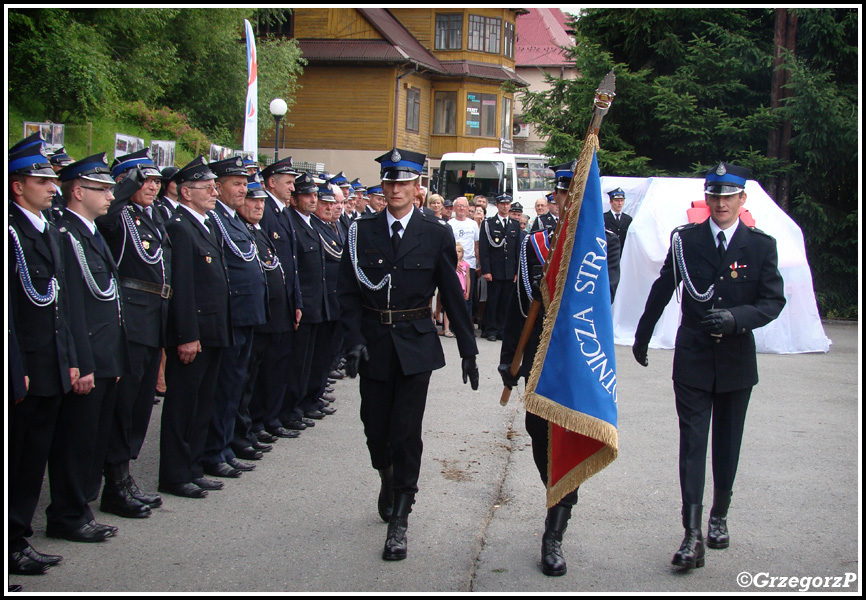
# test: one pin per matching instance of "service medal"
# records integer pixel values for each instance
(208, 259)
(496, 240)
(734, 275)
(145, 244)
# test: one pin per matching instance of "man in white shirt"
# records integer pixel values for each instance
(466, 233)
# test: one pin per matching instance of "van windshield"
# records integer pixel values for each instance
(533, 176)
(471, 178)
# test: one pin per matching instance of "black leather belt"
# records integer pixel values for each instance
(387, 317)
(163, 291)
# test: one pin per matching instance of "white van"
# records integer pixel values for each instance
(488, 172)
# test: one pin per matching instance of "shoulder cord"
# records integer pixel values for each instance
(489, 239)
(136, 240)
(329, 250)
(275, 264)
(679, 262)
(104, 296)
(244, 256)
(359, 274)
(524, 276)
(24, 275)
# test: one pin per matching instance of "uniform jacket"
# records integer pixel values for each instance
(145, 312)
(333, 245)
(499, 262)
(426, 260)
(546, 221)
(277, 225)
(248, 284)
(620, 228)
(104, 351)
(200, 308)
(45, 334)
(282, 316)
(747, 282)
(311, 271)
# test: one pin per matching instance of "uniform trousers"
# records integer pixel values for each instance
(134, 405)
(695, 409)
(392, 413)
(267, 385)
(230, 388)
(77, 452)
(498, 293)
(538, 430)
(299, 378)
(31, 428)
(323, 357)
(186, 414)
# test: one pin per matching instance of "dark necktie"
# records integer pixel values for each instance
(721, 246)
(395, 236)
(207, 225)
(100, 242)
(617, 218)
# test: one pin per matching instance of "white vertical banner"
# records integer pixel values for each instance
(251, 137)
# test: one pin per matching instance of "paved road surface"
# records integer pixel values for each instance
(306, 520)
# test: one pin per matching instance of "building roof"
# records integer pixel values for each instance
(540, 35)
(466, 68)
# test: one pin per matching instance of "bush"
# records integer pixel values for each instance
(167, 123)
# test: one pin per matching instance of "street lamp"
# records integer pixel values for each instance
(278, 108)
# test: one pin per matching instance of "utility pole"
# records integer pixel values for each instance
(784, 39)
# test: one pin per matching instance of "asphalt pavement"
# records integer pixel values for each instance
(305, 520)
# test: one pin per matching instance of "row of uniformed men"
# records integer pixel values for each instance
(216, 275)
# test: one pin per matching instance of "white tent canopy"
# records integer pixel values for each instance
(658, 205)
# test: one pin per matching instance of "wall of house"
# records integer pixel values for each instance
(333, 23)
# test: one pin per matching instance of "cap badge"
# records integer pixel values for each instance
(239, 162)
(395, 156)
(43, 152)
(721, 170)
(104, 160)
(147, 153)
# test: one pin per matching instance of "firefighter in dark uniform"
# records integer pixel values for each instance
(142, 252)
(270, 391)
(732, 285)
(498, 248)
(268, 338)
(79, 446)
(39, 306)
(392, 265)
(548, 220)
(298, 403)
(248, 287)
(199, 328)
(615, 219)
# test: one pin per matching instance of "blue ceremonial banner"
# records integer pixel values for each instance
(251, 112)
(573, 379)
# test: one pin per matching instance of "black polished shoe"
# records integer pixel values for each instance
(691, 552)
(149, 498)
(328, 398)
(717, 531)
(262, 447)
(116, 497)
(296, 425)
(314, 414)
(395, 543)
(249, 453)
(327, 410)
(337, 374)
(46, 559)
(308, 422)
(184, 490)
(208, 484)
(21, 564)
(110, 530)
(552, 559)
(329, 389)
(221, 470)
(265, 438)
(282, 432)
(14, 587)
(86, 533)
(240, 465)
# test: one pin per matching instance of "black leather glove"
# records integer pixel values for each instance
(719, 321)
(639, 351)
(507, 379)
(353, 359)
(133, 182)
(535, 281)
(470, 371)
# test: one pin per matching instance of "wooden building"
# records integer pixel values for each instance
(431, 80)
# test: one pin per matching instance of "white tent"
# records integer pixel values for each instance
(658, 205)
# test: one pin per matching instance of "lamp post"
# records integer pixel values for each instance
(278, 108)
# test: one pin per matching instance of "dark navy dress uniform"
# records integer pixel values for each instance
(199, 311)
(136, 239)
(248, 288)
(498, 248)
(46, 343)
(714, 370)
(545, 221)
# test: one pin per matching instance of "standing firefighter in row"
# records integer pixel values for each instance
(731, 286)
(395, 261)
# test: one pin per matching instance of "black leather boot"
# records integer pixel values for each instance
(386, 494)
(395, 543)
(116, 498)
(691, 552)
(717, 531)
(153, 500)
(552, 560)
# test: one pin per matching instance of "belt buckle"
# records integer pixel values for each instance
(166, 292)
(386, 318)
